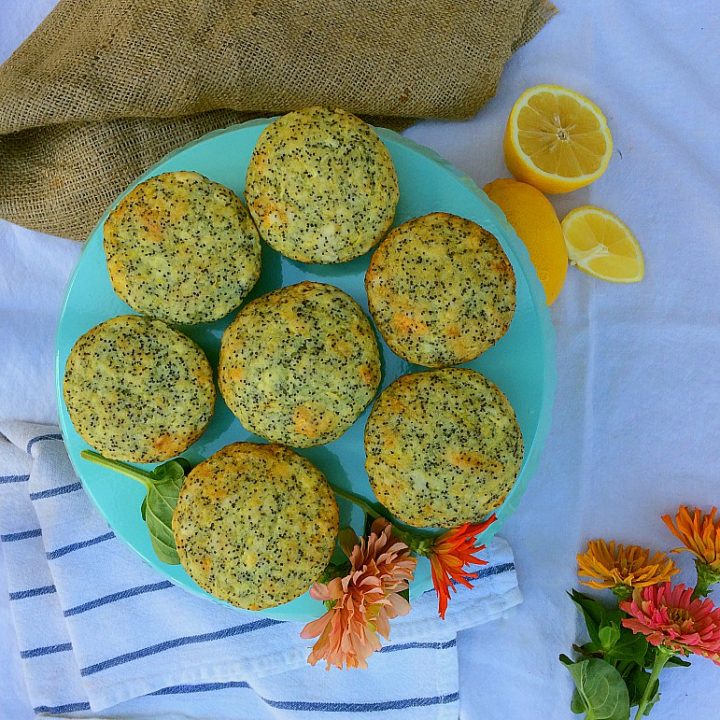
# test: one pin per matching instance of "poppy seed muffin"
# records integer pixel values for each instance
(137, 390)
(299, 364)
(255, 525)
(441, 290)
(442, 447)
(182, 248)
(321, 186)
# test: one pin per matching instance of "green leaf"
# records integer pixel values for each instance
(601, 690)
(595, 613)
(609, 635)
(347, 539)
(636, 682)
(592, 611)
(163, 487)
(628, 646)
(678, 662)
(576, 703)
(184, 464)
(165, 483)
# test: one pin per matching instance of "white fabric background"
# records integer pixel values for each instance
(637, 414)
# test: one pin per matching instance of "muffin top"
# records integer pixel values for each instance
(182, 248)
(255, 525)
(442, 447)
(321, 186)
(137, 390)
(441, 290)
(299, 364)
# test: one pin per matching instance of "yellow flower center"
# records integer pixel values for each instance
(678, 616)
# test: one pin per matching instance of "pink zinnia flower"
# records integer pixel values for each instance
(670, 618)
(363, 602)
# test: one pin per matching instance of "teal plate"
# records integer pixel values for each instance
(522, 364)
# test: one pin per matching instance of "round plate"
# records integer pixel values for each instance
(522, 364)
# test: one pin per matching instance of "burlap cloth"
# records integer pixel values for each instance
(104, 88)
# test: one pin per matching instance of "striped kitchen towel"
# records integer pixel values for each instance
(97, 628)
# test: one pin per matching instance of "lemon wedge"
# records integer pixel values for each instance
(534, 220)
(556, 139)
(602, 245)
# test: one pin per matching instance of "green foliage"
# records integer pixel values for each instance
(159, 505)
(601, 692)
(636, 680)
(614, 654)
(163, 487)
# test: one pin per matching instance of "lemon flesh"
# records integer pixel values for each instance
(556, 139)
(599, 243)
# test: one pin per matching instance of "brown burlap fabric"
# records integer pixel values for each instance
(105, 88)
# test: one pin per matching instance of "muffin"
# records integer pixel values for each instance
(298, 365)
(137, 390)
(321, 186)
(255, 525)
(182, 248)
(441, 290)
(442, 447)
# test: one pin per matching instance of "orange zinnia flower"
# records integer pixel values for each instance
(363, 602)
(700, 534)
(449, 554)
(670, 618)
(622, 567)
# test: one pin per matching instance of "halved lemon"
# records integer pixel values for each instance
(602, 245)
(556, 139)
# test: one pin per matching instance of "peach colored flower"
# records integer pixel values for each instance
(362, 603)
(622, 567)
(669, 617)
(449, 555)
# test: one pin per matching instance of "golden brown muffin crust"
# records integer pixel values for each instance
(255, 525)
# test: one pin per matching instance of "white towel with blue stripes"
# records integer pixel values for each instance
(99, 630)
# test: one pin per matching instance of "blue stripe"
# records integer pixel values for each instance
(412, 645)
(130, 592)
(178, 642)
(49, 436)
(57, 709)
(53, 554)
(202, 687)
(22, 594)
(13, 478)
(494, 570)
(52, 492)
(316, 706)
(24, 535)
(336, 707)
(363, 707)
(49, 650)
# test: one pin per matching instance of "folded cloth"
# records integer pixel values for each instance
(104, 88)
(96, 626)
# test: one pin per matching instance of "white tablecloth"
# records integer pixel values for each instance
(637, 413)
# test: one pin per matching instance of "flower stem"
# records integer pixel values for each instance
(357, 500)
(419, 541)
(662, 655)
(622, 592)
(123, 468)
(706, 578)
